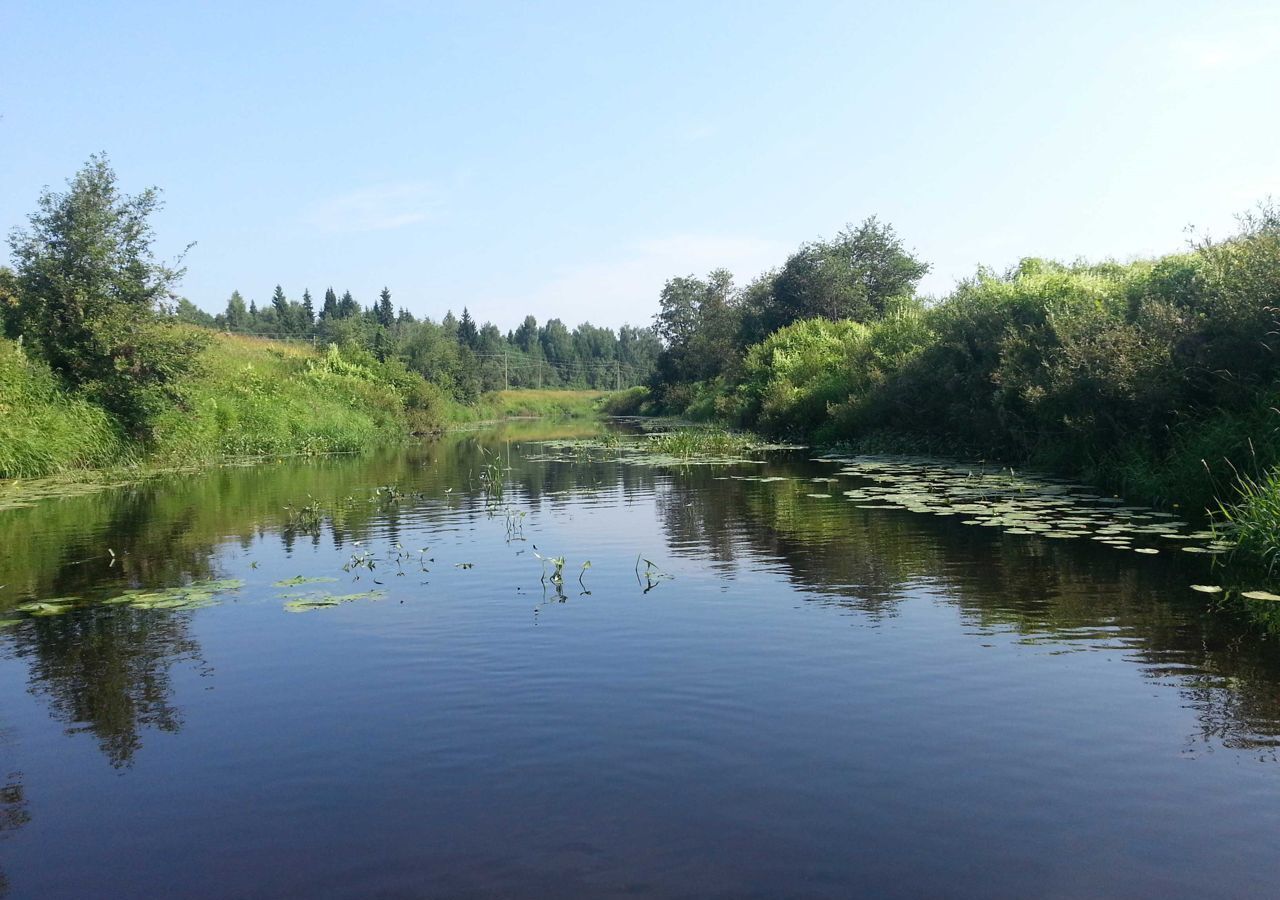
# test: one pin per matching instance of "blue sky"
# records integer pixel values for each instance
(565, 159)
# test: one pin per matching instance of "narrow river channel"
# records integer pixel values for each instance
(394, 675)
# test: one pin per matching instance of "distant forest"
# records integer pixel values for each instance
(455, 352)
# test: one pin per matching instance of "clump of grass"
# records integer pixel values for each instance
(688, 442)
(45, 429)
(1252, 520)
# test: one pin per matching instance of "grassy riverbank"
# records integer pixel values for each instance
(541, 404)
(247, 397)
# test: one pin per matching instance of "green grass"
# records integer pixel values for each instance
(262, 398)
(250, 398)
(541, 404)
(1252, 521)
(44, 430)
(690, 442)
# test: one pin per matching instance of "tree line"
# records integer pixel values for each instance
(465, 357)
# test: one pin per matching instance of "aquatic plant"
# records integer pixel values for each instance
(308, 517)
(687, 442)
(319, 600)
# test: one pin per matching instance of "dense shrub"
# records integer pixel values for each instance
(1157, 377)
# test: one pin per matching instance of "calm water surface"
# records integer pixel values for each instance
(821, 700)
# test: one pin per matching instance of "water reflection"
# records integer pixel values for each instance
(107, 671)
(815, 677)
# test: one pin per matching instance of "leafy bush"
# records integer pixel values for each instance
(88, 293)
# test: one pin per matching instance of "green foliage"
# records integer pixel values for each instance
(260, 398)
(633, 401)
(1252, 519)
(43, 429)
(89, 292)
(1154, 377)
(690, 442)
(858, 275)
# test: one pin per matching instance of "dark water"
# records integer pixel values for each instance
(821, 701)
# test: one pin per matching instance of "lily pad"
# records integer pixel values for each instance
(1260, 595)
(309, 602)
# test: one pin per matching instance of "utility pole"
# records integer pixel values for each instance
(618, 378)
(506, 380)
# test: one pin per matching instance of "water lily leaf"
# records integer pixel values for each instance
(1260, 595)
(303, 579)
(1207, 588)
(323, 601)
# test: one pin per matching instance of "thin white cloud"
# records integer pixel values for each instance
(625, 287)
(379, 208)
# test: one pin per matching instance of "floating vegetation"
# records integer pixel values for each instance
(681, 447)
(192, 596)
(1260, 595)
(1020, 505)
(303, 579)
(1207, 588)
(54, 606)
(320, 600)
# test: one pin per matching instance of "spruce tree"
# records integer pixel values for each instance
(330, 309)
(281, 305)
(467, 335)
(347, 306)
(386, 312)
(308, 308)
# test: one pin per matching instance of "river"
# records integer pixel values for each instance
(395, 675)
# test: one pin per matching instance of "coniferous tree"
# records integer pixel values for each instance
(386, 312)
(468, 336)
(330, 308)
(526, 336)
(347, 306)
(308, 309)
(280, 304)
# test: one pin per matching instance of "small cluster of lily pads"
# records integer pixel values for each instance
(196, 595)
(26, 494)
(307, 602)
(191, 596)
